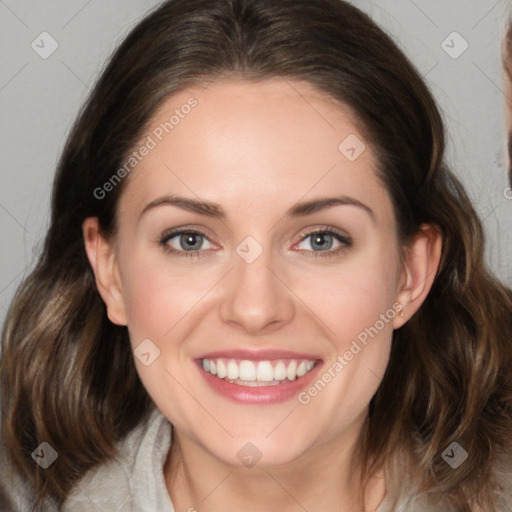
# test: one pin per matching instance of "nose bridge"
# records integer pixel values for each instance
(256, 298)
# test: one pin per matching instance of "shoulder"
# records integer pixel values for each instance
(503, 474)
(16, 494)
(104, 488)
(404, 496)
(124, 482)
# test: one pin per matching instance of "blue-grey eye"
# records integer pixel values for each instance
(185, 241)
(320, 241)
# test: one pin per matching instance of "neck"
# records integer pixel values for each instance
(326, 478)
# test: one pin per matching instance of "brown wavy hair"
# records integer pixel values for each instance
(67, 373)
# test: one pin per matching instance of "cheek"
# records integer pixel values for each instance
(157, 301)
(358, 309)
(157, 296)
(352, 296)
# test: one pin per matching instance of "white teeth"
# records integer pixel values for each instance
(232, 370)
(265, 372)
(291, 371)
(257, 373)
(280, 371)
(221, 369)
(246, 370)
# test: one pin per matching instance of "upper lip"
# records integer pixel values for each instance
(257, 355)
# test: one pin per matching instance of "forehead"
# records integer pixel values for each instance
(245, 141)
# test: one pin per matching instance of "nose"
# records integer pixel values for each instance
(256, 297)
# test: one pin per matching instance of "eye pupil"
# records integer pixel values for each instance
(192, 239)
(319, 241)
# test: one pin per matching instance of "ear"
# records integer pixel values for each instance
(421, 259)
(101, 255)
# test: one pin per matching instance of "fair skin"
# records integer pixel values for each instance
(257, 149)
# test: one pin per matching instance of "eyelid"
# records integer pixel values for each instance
(171, 233)
(343, 238)
(168, 233)
(323, 229)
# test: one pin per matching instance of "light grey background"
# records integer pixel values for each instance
(39, 99)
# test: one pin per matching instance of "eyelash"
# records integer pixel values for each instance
(343, 239)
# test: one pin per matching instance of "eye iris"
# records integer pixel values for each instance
(192, 239)
(318, 240)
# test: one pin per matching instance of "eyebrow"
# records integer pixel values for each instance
(214, 210)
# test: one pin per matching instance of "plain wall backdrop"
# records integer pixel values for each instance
(455, 45)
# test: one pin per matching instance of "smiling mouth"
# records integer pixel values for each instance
(245, 372)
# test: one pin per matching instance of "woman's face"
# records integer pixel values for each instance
(250, 239)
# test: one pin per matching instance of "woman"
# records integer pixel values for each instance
(261, 289)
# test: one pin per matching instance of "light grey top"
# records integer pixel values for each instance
(134, 482)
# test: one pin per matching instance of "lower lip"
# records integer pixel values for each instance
(260, 394)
